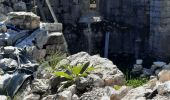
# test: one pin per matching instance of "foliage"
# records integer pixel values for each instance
(136, 82)
(117, 87)
(73, 73)
(51, 61)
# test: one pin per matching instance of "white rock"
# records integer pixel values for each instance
(65, 95)
(164, 88)
(32, 97)
(139, 61)
(137, 94)
(75, 97)
(3, 97)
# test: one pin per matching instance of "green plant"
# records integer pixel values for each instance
(51, 61)
(117, 87)
(136, 82)
(73, 73)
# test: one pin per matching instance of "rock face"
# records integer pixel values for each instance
(24, 20)
(107, 71)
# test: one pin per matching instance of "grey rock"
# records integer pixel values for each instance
(40, 86)
(108, 72)
(24, 20)
(137, 94)
(52, 27)
(65, 95)
(97, 81)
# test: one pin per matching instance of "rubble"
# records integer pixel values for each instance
(24, 20)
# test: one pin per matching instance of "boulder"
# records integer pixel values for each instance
(137, 94)
(108, 72)
(24, 20)
(139, 61)
(159, 63)
(164, 76)
(3, 97)
(163, 88)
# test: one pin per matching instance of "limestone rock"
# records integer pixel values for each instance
(159, 64)
(108, 72)
(65, 95)
(32, 97)
(164, 76)
(24, 20)
(164, 88)
(75, 97)
(3, 97)
(137, 94)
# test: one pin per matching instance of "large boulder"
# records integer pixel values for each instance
(24, 20)
(107, 71)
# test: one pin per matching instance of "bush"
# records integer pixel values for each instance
(136, 82)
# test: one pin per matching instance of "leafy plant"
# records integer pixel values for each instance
(73, 73)
(51, 61)
(136, 82)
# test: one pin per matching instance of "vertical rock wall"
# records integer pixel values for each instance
(160, 28)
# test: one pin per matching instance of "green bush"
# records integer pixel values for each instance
(136, 82)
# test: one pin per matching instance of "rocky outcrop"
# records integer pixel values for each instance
(105, 69)
(24, 20)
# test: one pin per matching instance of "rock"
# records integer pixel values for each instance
(38, 54)
(84, 84)
(50, 97)
(137, 94)
(3, 97)
(159, 64)
(24, 20)
(72, 89)
(164, 88)
(164, 76)
(97, 81)
(8, 63)
(108, 72)
(75, 97)
(40, 86)
(147, 72)
(1, 72)
(137, 69)
(106, 98)
(9, 49)
(3, 28)
(20, 6)
(32, 97)
(65, 95)
(139, 61)
(52, 27)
